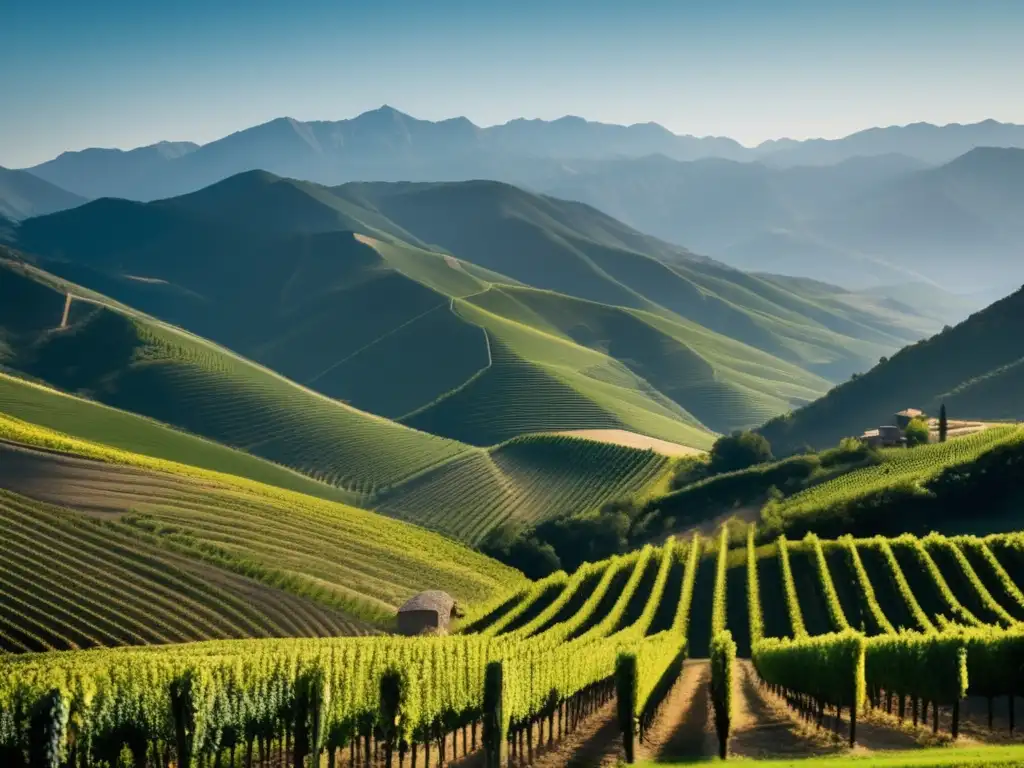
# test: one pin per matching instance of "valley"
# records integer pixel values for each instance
(551, 443)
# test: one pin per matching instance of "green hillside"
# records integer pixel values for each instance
(384, 262)
(573, 249)
(162, 519)
(521, 482)
(139, 365)
(290, 436)
(973, 368)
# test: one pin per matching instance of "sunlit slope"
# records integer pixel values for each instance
(342, 558)
(723, 383)
(521, 482)
(540, 382)
(134, 363)
(574, 249)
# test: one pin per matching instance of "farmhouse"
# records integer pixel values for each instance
(891, 436)
(428, 612)
(883, 437)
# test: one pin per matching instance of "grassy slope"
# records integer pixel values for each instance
(573, 249)
(196, 254)
(899, 466)
(72, 581)
(273, 535)
(132, 362)
(124, 360)
(975, 368)
(521, 482)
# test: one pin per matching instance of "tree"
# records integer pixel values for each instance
(917, 433)
(739, 451)
(943, 424)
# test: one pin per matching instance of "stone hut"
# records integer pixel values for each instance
(428, 612)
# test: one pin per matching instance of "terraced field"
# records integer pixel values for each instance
(71, 581)
(97, 423)
(522, 482)
(264, 538)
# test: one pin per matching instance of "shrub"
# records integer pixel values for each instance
(739, 450)
(917, 433)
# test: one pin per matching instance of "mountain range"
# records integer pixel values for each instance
(865, 212)
(473, 312)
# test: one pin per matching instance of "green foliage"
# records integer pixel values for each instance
(796, 619)
(706, 499)
(723, 660)
(917, 433)
(718, 605)
(48, 730)
(828, 668)
(756, 618)
(907, 490)
(737, 451)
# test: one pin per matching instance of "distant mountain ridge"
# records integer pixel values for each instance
(859, 223)
(388, 145)
(23, 195)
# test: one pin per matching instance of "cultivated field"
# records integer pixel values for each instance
(253, 537)
(545, 662)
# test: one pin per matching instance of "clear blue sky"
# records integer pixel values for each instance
(125, 73)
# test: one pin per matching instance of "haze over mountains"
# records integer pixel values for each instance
(882, 207)
(349, 289)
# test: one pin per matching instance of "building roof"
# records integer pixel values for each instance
(911, 412)
(431, 600)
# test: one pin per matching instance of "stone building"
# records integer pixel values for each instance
(428, 612)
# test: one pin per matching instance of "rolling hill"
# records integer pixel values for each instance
(512, 235)
(233, 553)
(285, 434)
(357, 258)
(23, 195)
(974, 368)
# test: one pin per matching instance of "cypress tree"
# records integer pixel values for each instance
(943, 424)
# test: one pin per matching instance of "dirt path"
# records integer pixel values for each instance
(597, 742)
(684, 729)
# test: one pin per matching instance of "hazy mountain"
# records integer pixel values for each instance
(112, 172)
(388, 145)
(23, 195)
(976, 369)
(270, 268)
(932, 144)
(860, 223)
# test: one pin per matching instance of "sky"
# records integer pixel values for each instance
(125, 73)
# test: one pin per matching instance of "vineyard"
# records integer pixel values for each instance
(863, 497)
(243, 536)
(844, 631)
(522, 482)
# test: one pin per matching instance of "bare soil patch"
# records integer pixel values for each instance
(633, 440)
